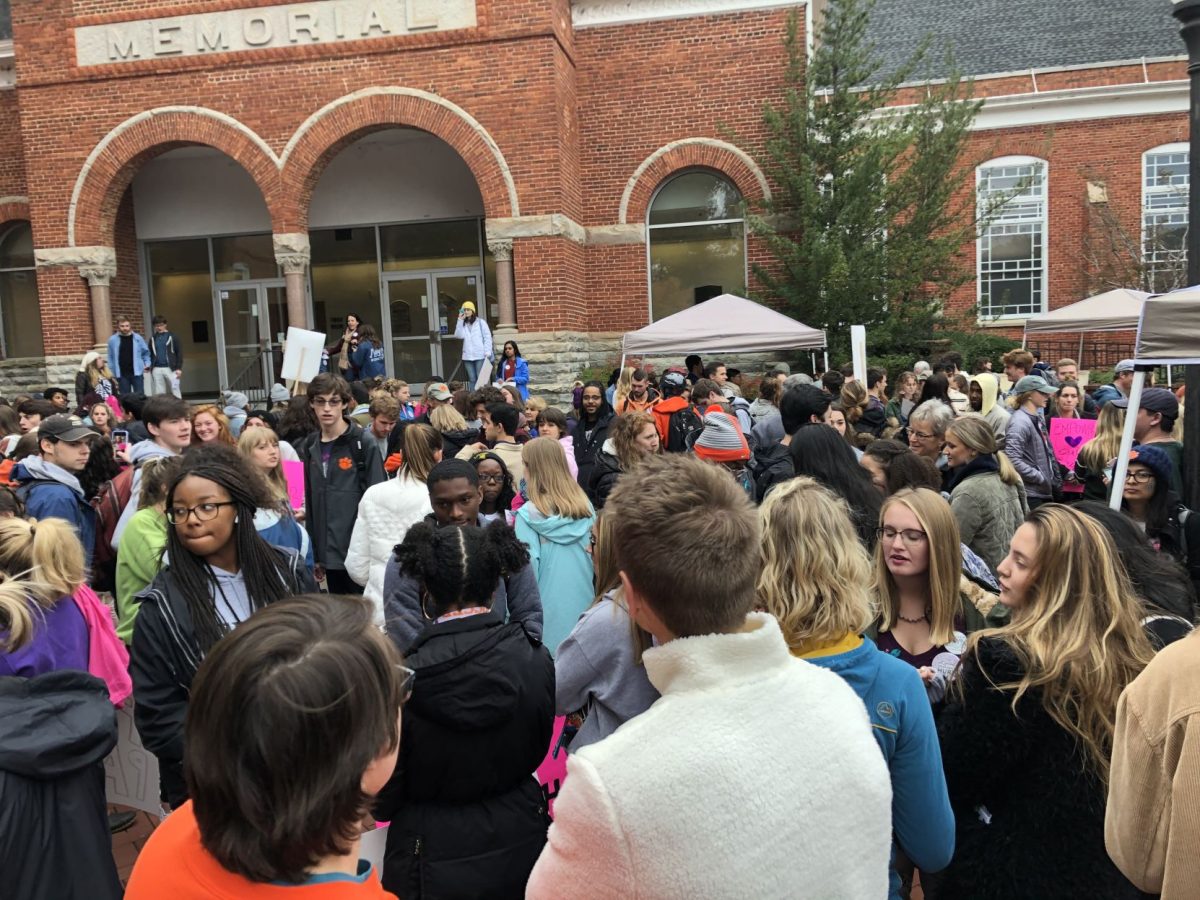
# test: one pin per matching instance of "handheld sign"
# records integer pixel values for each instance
(130, 770)
(293, 474)
(1066, 437)
(302, 355)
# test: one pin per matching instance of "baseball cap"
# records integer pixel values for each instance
(64, 428)
(780, 368)
(1035, 383)
(1125, 365)
(439, 391)
(1159, 400)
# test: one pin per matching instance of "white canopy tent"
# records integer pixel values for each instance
(724, 324)
(1168, 335)
(1111, 311)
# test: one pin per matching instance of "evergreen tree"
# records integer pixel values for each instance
(873, 213)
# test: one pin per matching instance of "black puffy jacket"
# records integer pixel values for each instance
(586, 448)
(55, 730)
(603, 479)
(468, 819)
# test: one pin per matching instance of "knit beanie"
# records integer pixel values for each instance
(1155, 460)
(721, 440)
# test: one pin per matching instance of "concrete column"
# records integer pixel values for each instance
(502, 251)
(293, 254)
(99, 279)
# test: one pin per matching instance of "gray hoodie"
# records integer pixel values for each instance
(138, 454)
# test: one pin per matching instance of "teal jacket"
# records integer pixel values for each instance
(558, 553)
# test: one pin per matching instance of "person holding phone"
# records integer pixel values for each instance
(477, 347)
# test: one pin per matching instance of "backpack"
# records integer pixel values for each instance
(110, 501)
(683, 430)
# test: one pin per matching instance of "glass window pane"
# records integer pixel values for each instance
(696, 197)
(430, 245)
(345, 279)
(22, 331)
(16, 246)
(181, 290)
(244, 257)
(690, 264)
(1165, 218)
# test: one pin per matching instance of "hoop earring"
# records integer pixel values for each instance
(425, 612)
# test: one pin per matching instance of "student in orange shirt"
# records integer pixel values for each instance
(292, 729)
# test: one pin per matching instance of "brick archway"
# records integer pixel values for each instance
(113, 163)
(690, 153)
(14, 209)
(332, 128)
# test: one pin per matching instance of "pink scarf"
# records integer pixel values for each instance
(108, 659)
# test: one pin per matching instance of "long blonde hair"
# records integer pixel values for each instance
(549, 483)
(816, 575)
(421, 445)
(40, 564)
(447, 418)
(976, 434)
(624, 386)
(253, 438)
(1106, 444)
(95, 374)
(945, 563)
(1079, 636)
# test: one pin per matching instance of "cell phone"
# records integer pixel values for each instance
(120, 438)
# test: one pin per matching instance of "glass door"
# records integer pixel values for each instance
(240, 359)
(411, 326)
(452, 290)
(274, 326)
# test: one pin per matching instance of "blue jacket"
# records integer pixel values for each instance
(368, 361)
(558, 554)
(1029, 451)
(142, 358)
(53, 492)
(520, 375)
(1106, 393)
(902, 722)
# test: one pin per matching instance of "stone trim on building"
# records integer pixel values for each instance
(695, 152)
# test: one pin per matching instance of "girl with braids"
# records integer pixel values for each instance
(218, 571)
(58, 719)
(1028, 730)
(468, 819)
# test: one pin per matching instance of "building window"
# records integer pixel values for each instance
(20, 329)
(1012, 245)
(697, 242)
(1165, 216)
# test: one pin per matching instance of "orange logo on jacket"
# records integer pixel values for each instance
(345, 463)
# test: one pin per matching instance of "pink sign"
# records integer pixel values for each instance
(1066, 437)
(553, 770)
(293, 473)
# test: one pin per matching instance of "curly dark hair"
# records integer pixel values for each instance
(459, 567)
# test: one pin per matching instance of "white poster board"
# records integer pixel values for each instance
(371, 847)
(131, 771)
(858, 352)
(302, 355)
(485, 374)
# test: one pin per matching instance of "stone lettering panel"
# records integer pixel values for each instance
(290, 25)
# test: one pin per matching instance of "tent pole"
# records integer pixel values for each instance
(1080, 360)
(1135, 401)
(812, 355)
(1025, 338)
(1170, 379)
(826, 352)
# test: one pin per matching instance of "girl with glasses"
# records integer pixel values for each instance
(468, 818)
(496, 484)
(1152, 505)
(218, 571)
(927, 607)
(1027, 732)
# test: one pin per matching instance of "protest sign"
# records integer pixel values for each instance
(293, 474)
(302, 355)
(131, 771)
(1066, 437)
(553, 770)
(372, 846)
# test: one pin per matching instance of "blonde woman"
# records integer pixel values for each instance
(58, 721)
(94, 377)
(632, 437)
(986, 493)
(388, 509)
(622, 388)
(600, 682)
(210, 425)
(1098, 455)
(278, 524)
(448, 422)
(260, 445)
(1027, 734)
(926, 605)
(816, 580)
(556, 525)
(102, 419)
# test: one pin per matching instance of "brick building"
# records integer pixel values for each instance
(575, 168)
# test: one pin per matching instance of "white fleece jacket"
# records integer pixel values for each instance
(385, 513)
(755, 775)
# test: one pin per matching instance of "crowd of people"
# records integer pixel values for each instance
(798, 636)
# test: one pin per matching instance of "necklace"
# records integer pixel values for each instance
(916, 621)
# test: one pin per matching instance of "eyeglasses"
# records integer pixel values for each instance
(922, 435)
(326, 402)
(205, 512)
(1140, 477)
(407, 676)
(492, 479)
(910, 536)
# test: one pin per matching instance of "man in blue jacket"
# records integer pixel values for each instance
(50, 481)
(129, 356)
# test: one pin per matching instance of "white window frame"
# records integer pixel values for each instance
(1043, 220)
(1159, 191)
(716, 173)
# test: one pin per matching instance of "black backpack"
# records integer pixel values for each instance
(683, 430)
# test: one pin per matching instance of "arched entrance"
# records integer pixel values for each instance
(207, 259)
(396, 231)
